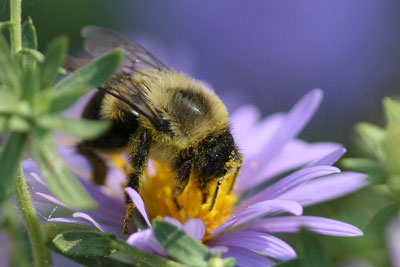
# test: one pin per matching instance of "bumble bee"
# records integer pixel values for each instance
(158, 113)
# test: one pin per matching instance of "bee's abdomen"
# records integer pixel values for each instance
(121, 130)
(92, 109)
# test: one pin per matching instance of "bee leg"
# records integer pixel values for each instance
(204, 188)
(214, 200)
(139, 144)
(235, 175)
(97, 164)
(182, 179)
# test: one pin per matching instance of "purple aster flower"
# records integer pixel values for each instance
(239, 226)
(393, 241)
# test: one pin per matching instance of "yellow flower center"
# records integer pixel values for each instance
(157, 193)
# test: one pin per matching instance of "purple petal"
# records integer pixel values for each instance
(393, 237)
(195, 228)
(139, 204)
(141, 239)
(84, 216)
(296, 154)
(70, 220)
(115, 220)
(327, 188)
(260, 242)
(261, 134)
(242, 121)
(218, 249)
(291, 224)
(173, 222)
(289, 183)
(246, 258)
(295, 120)
(107, 202)
(38, 179)
(257, 210)
(329, 159)
(53, 200)
(106, 228)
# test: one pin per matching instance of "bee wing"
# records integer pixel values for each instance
(99, 40)
(138, 101)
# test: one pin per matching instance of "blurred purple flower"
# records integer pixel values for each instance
(393, 241)
(270, 149)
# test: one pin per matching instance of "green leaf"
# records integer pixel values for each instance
(123, 253)
(84, 243)
(314, 254)
(290, 263)
(216, 261)
(18, 124)
(10, 158)
(83, 128)
(31, 82)
(54, 59)
(129, 254)
(392, 111)
(229, 262)
(85, 79)
(3, 124)
(375, 170)
(10, 73)
(29, 39)
(5, 25)
(380, 220)
(372, 138)
(8, 101)
(181, 246)
(62, 183)
(36, 55)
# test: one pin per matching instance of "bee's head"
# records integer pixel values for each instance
(214, 155)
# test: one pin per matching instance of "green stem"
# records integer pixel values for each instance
(17, 241)
(41, 254)
(15, 18)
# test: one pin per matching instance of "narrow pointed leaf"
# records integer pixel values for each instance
(122, 254)
(31, 81)
(85, 79)
(54, 58)
(378, 223)
(313, 251)
(18, 124)
(374, 169)
(180, 246)
(8, 101)
(371, 137)
(62, 183)
(85, 129)
(392, 111)
(9, 72)
(29, 39)
(34, 54)
(84, 243)
(290, 263)
(5, 25)
(138, 257)
(10, 157)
